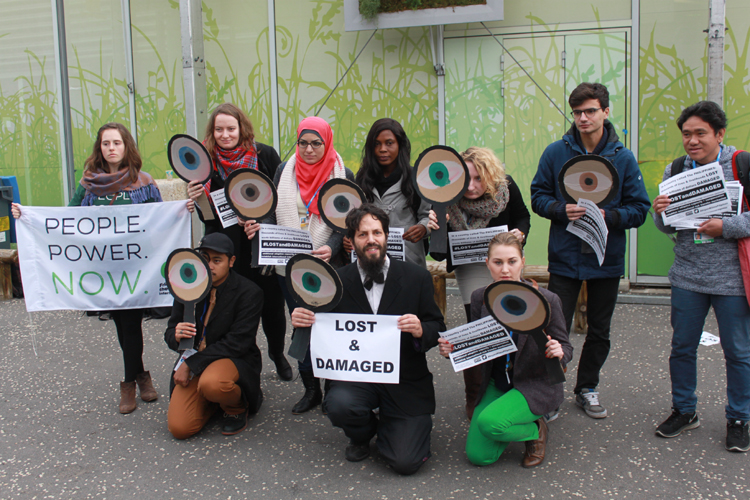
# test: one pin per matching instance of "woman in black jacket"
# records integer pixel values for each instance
(231, 143)
(514, 391)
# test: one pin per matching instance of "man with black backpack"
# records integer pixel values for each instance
(706, 272)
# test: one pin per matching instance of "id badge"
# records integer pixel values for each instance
(699, 238)
(303, 222)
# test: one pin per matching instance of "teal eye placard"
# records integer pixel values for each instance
(188, 275)
(440, 175)
(313, 283)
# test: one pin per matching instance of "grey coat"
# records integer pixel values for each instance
(395, 204)
(529, 374)
(710, 268)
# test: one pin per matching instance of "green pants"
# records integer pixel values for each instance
(499, 419)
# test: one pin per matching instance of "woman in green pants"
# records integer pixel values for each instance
(515, 391)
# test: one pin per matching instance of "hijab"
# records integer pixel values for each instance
(311, 177)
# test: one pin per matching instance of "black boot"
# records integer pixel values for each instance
(313, 396)
(282, 366)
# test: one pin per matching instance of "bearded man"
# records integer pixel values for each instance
(376, 284)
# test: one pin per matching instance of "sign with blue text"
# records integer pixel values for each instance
(356, 347)
(99, 258)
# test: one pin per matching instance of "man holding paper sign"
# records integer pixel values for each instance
(572, 261)
(706, 272)
(376, 284)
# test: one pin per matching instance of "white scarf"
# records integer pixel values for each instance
(286, 210)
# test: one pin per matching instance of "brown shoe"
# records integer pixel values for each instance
(535, 450)
(146, 387)
(127, 397)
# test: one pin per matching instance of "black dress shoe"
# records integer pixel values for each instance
(234, 424)
(357, 452)
(282, 367)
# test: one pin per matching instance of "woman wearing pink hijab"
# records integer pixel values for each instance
(298, 182)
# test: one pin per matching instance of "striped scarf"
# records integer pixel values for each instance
(229, 160)
(99, 184)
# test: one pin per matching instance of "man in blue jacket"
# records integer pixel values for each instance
(571, 261)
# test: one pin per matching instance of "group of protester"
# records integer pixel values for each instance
(507, 399)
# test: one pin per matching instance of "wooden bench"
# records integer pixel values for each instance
(7, 257)
(537, 273)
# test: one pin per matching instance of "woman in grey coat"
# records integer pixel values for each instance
(385, 177)
(515, 390)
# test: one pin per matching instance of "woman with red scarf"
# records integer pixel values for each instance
(298, 182)
(231, 142)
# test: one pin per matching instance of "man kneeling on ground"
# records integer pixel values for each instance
(376, 284)
(224, 367)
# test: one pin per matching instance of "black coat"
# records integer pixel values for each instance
(408, 290)
(515, 216)
(268, 162)
(529, 372)
(232, 328)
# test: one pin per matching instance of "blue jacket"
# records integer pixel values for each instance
(628, 209)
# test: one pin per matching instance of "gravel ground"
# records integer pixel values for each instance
(61, 435)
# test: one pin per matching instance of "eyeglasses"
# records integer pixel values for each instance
(576, 113)
(315, 144)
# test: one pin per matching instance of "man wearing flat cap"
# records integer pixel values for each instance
(222, 370)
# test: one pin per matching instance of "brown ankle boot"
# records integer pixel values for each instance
(536, 449)
(146, 387)
(127, 397)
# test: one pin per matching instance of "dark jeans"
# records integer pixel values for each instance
(130, 336)
(602, 298)
(403, 440)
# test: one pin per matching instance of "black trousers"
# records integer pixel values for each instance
(403, 440)
(130, 335)
(602, 298)
(273, 316)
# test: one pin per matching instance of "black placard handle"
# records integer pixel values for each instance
(439, 237)
(188, 317)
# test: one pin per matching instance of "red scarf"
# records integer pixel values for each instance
(311, 177)
(227, 161)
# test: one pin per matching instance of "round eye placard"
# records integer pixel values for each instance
(189, 158)
(336, 199)
(251, 194)
(517, 306)
(440, 175)
(313, 283)
(188, 275)
(589, 177)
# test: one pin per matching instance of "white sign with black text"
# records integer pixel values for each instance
(698, 192)
(278, 244)
(735, 190)
(395, 243)
(356, 347)
(225, 212)
(591, 228)
(470, 246)
(477, 342)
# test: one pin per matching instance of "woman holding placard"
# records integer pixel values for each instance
(298, 182)
(385, 177)
(113, 176)
(231, 143)
(515, 390)
(491, 200)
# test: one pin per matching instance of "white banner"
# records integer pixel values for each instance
(477, 342)
(395, 245)
(468, 247)
(99, 258)
(698, 192)
(356, 347)
(591, 228)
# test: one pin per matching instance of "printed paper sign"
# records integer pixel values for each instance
(278, 244)
(735, 191)
(356, 347)
(470, 246)
(396, 246)
(478, 342)
(99, 258)
(698, 192)
(225, 212)
(591, 228)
